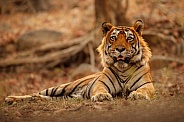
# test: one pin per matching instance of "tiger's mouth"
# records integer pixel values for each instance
(121, 58)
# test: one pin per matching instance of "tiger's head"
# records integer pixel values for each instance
(123, 46)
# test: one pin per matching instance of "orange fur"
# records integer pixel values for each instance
(125, 56)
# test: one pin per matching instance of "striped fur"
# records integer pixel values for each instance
(125, 57)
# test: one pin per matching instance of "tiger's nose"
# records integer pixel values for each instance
(120, 49)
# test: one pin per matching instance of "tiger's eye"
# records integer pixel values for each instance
(113, 38)
(130, 39)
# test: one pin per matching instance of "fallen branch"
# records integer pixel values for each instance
(160, 35)
(166, 58)
(50, 46)
(62, 52)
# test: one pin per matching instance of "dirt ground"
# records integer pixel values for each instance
(164, 109)
(167, 106)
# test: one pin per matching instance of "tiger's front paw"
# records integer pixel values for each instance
(101, 97)
(138, 95)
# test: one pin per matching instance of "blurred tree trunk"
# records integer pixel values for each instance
(41, 5)
(14, 6)
(109, 11)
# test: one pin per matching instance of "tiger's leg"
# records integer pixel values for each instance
(47, 94)
(144, 92)
(41, 96)
(34, 97)
(100, 93)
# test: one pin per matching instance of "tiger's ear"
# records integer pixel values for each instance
(106, 27)
(138, 26)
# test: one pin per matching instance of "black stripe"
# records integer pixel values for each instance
(89, 91)
(134, 47)
(54, 91)
(105, 52)
(138, 52)
(51, 92)
(109, 90)
(85, 92)
(138, 68)
(130, 76)
(138, 45)
(76, 86)
(138, 42)
(83, 95)
(111, 82)
(141, 85)
(116, 76)
(138, 80)
(126, 81)
(63, 91)
(46, 92)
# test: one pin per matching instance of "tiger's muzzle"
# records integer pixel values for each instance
(122, 59)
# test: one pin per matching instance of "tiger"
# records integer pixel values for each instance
(125, 59)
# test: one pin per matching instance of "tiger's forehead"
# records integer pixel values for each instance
(123, 30)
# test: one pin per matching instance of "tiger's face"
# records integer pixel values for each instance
(123, 46)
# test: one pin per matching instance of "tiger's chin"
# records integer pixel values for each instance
(120, 65)
(121, 62)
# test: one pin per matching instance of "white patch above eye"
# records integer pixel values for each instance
(129, 35)
(114, 34)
